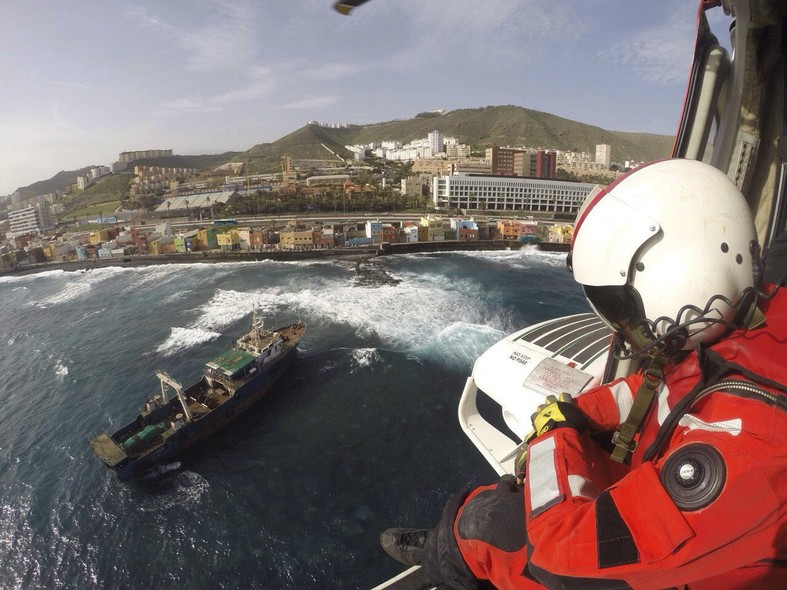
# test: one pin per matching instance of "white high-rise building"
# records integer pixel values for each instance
(31, 219)
(604, 154)
(436, 140)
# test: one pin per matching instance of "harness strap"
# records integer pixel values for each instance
(623, 439)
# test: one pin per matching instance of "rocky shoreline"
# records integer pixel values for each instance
(277, 255)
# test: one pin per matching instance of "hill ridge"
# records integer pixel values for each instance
(479, 127)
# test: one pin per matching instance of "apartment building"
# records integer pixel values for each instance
(604, 154)
(141, 155)
(499, 193)
(33, 219)
(502, 160)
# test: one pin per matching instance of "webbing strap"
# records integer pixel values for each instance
(623, 439)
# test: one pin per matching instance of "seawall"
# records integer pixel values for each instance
(282, 255)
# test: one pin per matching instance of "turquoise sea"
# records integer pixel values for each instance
(361, 433)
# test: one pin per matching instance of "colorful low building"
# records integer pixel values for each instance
(514, 229)
(206, 236)
(435, 231)
(228, 241)
(292, 239)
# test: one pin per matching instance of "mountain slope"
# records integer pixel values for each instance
(479, 127)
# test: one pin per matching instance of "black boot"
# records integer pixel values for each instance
(405, 545)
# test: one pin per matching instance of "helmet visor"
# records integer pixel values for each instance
(620, 306)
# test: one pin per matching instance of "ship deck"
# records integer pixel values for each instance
(107, 449)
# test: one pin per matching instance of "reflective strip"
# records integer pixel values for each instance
(732, 427)
(624, 399)
(582, 487)
(663, 404)
(542, 476)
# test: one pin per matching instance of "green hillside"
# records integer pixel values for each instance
(110, 190)
(307, 143)
(480, 128)
(58, 182)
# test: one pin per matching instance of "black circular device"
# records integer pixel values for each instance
(676, 339)
(694, 476)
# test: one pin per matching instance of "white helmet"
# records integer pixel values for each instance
(665, 252)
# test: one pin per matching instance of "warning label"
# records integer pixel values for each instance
(551, 376)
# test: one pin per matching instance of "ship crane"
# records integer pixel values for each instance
(166, 382)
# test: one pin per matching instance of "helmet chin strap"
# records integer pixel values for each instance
(623, 439)
(641, 342)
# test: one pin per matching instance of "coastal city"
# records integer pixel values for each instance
(427, 190)
(378, 295)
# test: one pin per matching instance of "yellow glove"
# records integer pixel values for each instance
(557, 412)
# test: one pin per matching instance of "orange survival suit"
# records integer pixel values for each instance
(701, 505)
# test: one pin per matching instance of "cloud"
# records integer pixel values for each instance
(140, 14)
(312, 102)
(224, 39)
(260, 84)
(187, 106)
(332, 71)
(659, 54)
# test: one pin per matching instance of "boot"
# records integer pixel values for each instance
(405, 545)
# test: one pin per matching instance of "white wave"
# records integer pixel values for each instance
(183, 338)
(525, 257)
(31, 277)
(225, 308)
(177, 297)
(328, 367)
(76, 285)
(365, 358)
(189, 492)
(61, 371)
(419, 314)
(407, 316)
(460, 344)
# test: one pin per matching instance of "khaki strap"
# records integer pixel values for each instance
(623, 439)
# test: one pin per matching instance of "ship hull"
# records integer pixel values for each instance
(127, 465)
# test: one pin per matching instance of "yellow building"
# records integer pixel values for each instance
(560, 233)
(435, 229)
(294, 239)
(97, 237)
(228, 240)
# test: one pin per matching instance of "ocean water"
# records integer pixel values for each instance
(361, 433)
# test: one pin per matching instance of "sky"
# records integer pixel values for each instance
(84, 80)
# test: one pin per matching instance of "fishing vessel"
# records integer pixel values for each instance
(230, 384)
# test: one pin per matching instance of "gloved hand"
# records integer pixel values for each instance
(557, 412)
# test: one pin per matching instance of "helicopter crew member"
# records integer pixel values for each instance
(693, 492)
